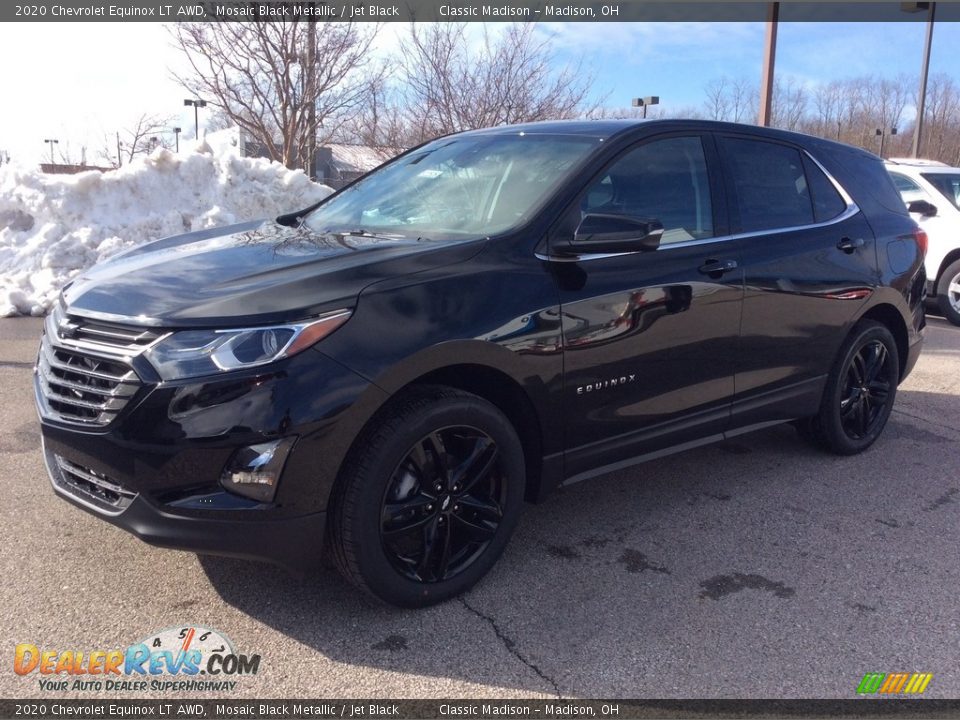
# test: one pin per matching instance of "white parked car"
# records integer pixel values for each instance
(931, 191)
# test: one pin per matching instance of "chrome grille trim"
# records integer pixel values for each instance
(99, 338)
(88, 382)
(86, 486)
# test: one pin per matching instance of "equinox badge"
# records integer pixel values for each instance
(604, 384)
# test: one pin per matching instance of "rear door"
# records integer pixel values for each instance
(809, 262)
(650, 337)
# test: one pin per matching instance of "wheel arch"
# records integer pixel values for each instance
(948, 260)
(497, 375)
(510, 398)
(889, 316)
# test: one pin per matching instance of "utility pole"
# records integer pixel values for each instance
(924, 72)
(769, 59)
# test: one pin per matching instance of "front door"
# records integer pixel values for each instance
(650, 338)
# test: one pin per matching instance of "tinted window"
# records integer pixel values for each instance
(770, 184)
(827, 202)
(948, 184)
(903, 183)
(663, 179)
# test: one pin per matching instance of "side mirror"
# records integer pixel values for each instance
(611, 233)
(924, 208)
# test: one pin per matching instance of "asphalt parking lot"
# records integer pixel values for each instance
(754, 568)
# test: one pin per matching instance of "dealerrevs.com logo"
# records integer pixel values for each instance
(186, 658)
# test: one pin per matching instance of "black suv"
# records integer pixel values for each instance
(389, 374)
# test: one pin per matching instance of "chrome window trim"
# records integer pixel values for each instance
(851, 210)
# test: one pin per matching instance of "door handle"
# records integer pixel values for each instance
(849, 246)
(716, 268)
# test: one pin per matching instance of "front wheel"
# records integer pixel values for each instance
(948, 293)
(860, 392)
(429, 497)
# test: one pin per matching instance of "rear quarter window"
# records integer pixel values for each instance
(827, 202)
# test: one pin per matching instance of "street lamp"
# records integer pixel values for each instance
(196, 119)
(52, 142)
(645, 101)
(915, 7)
(882, 135)
(176, 132)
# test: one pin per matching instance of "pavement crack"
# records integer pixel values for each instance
(926, 420)
(16, 365)
(511, 646)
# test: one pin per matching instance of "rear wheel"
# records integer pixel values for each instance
(860, 392)
(429, 498)
(948, 293)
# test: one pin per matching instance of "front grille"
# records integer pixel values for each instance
(88, 486)
(83, 369)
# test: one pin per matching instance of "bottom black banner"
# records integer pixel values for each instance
(367, 709)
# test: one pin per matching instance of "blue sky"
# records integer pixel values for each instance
(88, 80)
(676, 61)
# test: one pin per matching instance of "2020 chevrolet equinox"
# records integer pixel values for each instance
(390, 374)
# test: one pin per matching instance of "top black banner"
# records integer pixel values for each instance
(469, 11)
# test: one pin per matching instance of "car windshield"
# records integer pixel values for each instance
(948, 184)
(456, 187)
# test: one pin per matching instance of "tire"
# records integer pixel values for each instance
(860, 392)
(947, 299)
(428, 498)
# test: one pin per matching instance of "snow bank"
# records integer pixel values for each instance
(54, 226)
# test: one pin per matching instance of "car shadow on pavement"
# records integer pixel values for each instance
(701, 556)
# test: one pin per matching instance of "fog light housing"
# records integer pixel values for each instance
(254, 471)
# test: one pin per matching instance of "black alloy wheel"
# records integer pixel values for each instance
(859, 394)
(867, 391)
(428, 498)
(443, 504)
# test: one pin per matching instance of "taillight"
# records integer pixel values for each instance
(921, 237)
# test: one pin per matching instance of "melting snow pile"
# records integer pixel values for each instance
(54, 226)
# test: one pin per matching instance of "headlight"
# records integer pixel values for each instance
(195, 353)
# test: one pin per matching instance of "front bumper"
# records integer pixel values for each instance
(293, 542)
(154, 471)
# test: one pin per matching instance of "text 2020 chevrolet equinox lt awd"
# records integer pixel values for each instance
(391, 373)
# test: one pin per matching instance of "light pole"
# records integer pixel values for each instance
(196, 117)
(51, 142)
(882, 135)
(645, 101)
(176, 132)
(914, 7)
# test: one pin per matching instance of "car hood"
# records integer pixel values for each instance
(252, 273)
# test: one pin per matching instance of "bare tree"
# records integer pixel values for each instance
(789, 104)
(734, 100)
(145, 135)
(449, 86)
(383, 120)
(941, 129)
(287, 85)
(717, 105)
